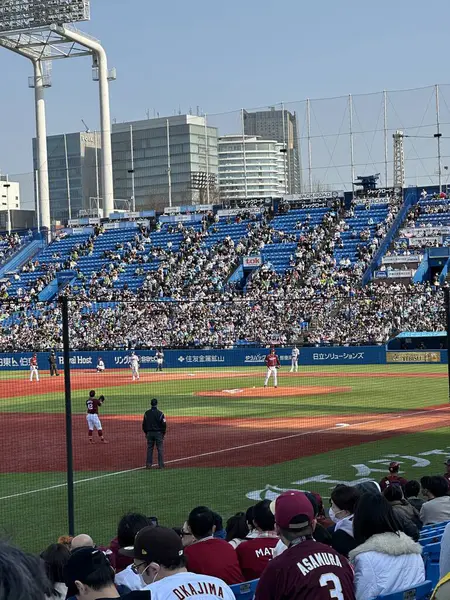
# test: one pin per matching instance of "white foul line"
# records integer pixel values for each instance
(213, 452)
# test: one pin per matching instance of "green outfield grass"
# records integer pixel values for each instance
(36, 519)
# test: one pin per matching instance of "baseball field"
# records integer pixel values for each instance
(229, 442)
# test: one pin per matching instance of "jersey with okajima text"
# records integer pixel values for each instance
(307, 571)
(184, 585)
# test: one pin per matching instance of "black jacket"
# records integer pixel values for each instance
(154, 422)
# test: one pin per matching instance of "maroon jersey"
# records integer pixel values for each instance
(214, 557)
(272, 360)
(33, 362)
(392, 480)
(307, 571)
(92, 405)
(254, 555)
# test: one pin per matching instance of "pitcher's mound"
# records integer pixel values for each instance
(270, 392)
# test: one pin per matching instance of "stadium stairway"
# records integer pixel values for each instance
(25, 254)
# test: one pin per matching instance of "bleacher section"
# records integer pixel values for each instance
(357, 224)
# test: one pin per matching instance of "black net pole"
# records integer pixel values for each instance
(68, 401)
(447, 327)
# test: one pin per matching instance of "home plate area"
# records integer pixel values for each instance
(270, 392)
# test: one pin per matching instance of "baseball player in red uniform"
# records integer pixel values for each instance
(34, 370)
(272, 364)
(92, 418)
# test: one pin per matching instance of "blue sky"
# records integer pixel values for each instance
(226, 55)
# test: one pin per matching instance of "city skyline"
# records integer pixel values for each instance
(153, 77)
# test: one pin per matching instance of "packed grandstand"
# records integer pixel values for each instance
(182, 282)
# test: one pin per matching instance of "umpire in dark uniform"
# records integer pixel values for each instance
(52, 363)
(154, 426)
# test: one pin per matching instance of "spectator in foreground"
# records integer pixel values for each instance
(343, 503)
(186, 535)
(436, 508)
(386, 559)
(127, 529)
(209, 555)
(444, 560)
(412, 491)
(393, 477)
(55, 558)
(159, 561)
(82, 541)
(129, 526)
(89, 575)
(447, 470)
(406, 514)
(22, 576)
(237, 529)
(307, 569)
(254, 554)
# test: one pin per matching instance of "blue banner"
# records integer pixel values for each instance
(240, 357)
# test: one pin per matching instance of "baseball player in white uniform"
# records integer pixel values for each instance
(294, 359)
(159, 359)
(134, 365)
(34, 369)
(100, 366)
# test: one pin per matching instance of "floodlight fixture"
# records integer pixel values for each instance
(16, 15)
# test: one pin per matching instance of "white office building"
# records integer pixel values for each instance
(9, 194)
(250, 167)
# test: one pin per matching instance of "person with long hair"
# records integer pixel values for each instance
(236, 529)
(405, 512)
(386, 560)
(55, 558)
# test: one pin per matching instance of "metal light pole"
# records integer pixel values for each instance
(169, 167)
(131, 171)
(8, 209)
(101, 66)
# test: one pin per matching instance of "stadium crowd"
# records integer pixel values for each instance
(372, 540)
(187, 300)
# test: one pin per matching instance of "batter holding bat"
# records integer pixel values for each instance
(272, 364)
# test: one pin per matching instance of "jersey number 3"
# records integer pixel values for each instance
(333, 583)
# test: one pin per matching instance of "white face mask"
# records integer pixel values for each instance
(334, 515)
(141, 577)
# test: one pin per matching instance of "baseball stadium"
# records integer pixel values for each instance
(219, 341)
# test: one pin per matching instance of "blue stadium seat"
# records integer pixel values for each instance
(420, 592)
(244, 591)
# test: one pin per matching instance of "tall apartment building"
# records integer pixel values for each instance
(279, 125)
(250, 167)
(175, 154)
(74, 175)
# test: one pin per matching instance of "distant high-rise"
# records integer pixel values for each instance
(174, 156)
(279, 125)
(74, 177)
(250, 167)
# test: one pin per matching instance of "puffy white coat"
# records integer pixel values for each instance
(386, 563)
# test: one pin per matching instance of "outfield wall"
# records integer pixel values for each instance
(239, 357)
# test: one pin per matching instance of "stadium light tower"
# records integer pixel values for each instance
(39, 31)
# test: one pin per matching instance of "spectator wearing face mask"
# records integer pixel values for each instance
(344, 499)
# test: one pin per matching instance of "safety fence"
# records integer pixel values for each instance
(205, 363)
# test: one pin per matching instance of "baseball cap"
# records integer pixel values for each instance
(394, 464)
(82, 563)
(156, 544)
(293, 510)
(447, 462)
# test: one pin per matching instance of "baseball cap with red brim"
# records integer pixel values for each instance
(292, 510)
